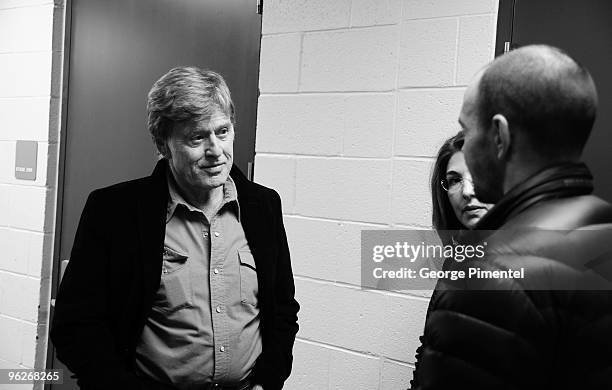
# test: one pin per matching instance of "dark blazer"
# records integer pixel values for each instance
(550, 330)
(114, 271)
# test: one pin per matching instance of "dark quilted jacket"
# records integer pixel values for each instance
(550, 330)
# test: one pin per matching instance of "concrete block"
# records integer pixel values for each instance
(280, 63)
(7, 165)
(59, 15)
(10, 339)
(7, 4)
(356, 60)
(300, 124)
(425, 119)
(57, 59)
(21, 249)
(13, 258)
(420, 9)
(27, 209)
(277, 172)
(368, 125)
(310, 367)
(20, 296)
(14, 127)
(411, 203)
(26, 29)
(348, 189)
(28, 344)
(5, 204)
(375, 12)
(396, 376)
(427, 52)
(55, 121)
(299, 15)
(403, 322)
(25, 74)
(337, 255)
(350, 371)
(476, 45)
(40, 254)
(326, 315)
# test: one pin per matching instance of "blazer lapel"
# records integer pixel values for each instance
(256, 222)
(151, 214)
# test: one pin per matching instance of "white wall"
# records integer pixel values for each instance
(31, 37)
(356, 97)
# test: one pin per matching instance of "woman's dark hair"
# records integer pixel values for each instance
(443, 216)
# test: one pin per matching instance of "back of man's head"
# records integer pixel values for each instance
(548, 99)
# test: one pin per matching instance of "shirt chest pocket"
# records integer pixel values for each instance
(175, 286)
(248, 278)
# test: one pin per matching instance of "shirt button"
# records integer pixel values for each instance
(218, 309)
(216, 234)
(222, 349)
(205, 234)
(216, 271)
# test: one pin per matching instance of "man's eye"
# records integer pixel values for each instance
(197, 138)
(222, 131)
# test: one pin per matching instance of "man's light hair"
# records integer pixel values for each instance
(185, 94)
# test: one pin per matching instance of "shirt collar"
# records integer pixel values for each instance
(230, 195)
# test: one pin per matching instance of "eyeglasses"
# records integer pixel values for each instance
(454, 184)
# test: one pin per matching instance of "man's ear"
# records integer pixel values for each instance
(502, 136)
(162, 148)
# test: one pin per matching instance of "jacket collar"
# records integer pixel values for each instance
(243, 185)
(152, 207)
(557, 181)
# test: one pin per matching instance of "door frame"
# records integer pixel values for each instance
(56, 268)
(56, 261)
(505, 23)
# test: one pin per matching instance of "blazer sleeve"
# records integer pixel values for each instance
(80, 330)
(274, 366)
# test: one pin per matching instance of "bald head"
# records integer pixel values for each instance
(548, 99)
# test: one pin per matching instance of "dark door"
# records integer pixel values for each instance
(117, 49)
(583, 29)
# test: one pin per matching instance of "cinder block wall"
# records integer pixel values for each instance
(31, 38)
(356, 97)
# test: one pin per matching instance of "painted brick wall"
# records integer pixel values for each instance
(31, 37)
(356, 97)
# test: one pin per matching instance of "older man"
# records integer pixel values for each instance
(181, 279)
(526, 118)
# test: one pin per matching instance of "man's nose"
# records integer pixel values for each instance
(213, 147)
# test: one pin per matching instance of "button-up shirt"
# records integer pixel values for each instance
(204, 324)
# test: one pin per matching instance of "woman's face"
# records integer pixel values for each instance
(466, 206)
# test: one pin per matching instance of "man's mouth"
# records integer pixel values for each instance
(211, 166)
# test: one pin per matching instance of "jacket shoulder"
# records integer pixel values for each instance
(120, 192)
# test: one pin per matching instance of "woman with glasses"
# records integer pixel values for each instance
(455, 206)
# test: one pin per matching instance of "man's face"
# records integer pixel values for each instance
(201, 153)
(480, 150)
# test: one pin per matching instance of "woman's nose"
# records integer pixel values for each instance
(467, 188)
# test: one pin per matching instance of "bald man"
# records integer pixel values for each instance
(526, 118)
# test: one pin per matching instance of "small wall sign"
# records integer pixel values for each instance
(25, 160)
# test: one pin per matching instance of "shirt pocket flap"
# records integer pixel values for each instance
(246, 258)
(173, 256)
